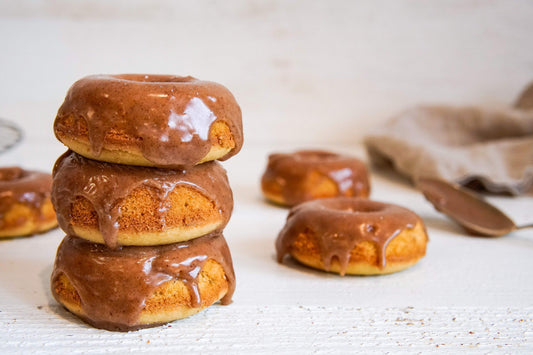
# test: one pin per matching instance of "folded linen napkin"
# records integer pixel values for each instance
(525, 100)
(468, 145)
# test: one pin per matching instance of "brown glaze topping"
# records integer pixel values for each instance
(290, 170)
(168, 116)
(104, 185)
(470, 211)
(30, 188)
(340, 223)
(114, 285)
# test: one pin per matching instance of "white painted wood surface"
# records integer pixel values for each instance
(468, 293)
(283, 329)
(307, 74)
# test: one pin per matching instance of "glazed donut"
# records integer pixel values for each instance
(356, 236)
(290, 179)
(130, 205)
(25, 206)
(138, 287)
(150, 120)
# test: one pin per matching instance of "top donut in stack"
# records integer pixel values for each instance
(150, 120)
(137, 139)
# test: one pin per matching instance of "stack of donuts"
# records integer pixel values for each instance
(142, 198)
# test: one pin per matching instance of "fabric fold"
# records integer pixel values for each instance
(492, 148)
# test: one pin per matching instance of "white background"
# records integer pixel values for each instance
(307, 74)
(303, 71)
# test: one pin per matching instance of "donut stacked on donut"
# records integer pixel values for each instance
(104, 117)
(350, 235)
(142, 199)
(293, 178)
(25, 206)
(131, 205)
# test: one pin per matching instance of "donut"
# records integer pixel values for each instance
(130, 205)
(25, 206)
(150, 120)
(139, 287)
(348, 235)
(290, 179)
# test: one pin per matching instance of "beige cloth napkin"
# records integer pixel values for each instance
(468, 145)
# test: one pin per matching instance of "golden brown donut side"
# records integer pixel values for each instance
(353, 236)
(126, 205)
(25, 206)
(191, 121)
(138, 287)
(290, 179)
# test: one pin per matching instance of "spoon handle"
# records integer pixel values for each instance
(525, 226)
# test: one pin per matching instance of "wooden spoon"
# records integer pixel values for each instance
(468, 209)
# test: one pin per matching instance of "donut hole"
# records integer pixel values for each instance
(353, 205)
(315, 156)
(155, 78)
(367, 209)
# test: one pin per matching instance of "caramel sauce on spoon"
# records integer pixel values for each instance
(469, 210)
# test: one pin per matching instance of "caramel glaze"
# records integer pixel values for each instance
(168, 116)
(463, 206)
(30, 188)
(104, 185)
(113, 285)
(289, 170)
(340, 223)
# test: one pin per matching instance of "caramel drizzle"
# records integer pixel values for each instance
(105, 185)
(349, 174)
(168, 116)
(114, 285)
(340, 223)
(30, 188)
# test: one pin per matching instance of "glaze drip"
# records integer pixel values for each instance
(114, 285)
(340, 223)
(289, 170)
(30, 188)
(167, 117)
(105, 185)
